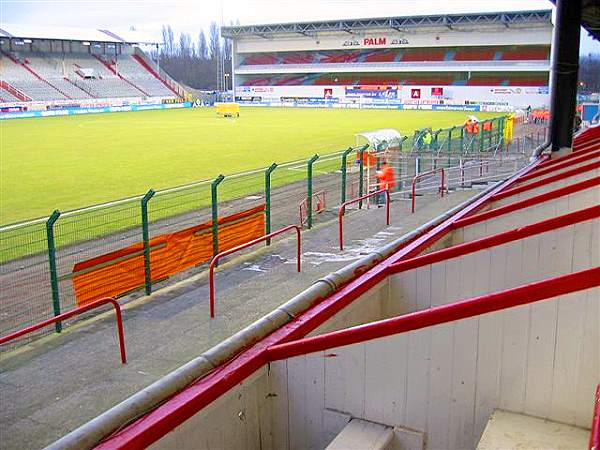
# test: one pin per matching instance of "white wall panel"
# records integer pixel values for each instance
(547, 187)
(457, 373)
(560, 170)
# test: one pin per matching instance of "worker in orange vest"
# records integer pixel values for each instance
(385, 180)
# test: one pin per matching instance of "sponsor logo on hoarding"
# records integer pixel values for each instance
(374, 91)
(503, 91)
(415, 93)
(437, 91)
(375, 42)
(537, 90)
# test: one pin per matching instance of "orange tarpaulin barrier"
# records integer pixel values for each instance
(122, 271)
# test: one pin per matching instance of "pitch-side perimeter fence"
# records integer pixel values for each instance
(44, 262)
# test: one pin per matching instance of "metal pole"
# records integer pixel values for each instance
(361, 174)
(344, 170)
(309, 189)
(481, 135)
(146, 239)
(215, 213)
(52, 263)
(268, 173)
(563, 77)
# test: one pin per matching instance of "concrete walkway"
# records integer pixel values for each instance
(59, 382)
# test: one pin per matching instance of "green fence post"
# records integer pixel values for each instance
(344, 170)
(435, 141)
(490, 133)
(361, 174)
(146, 238)
(309, 188)
(481, 136)
(52, 263)
(462, 140)
(215, 213)
(450, 130)
(400, 164)
(268, 173)
(416, 143)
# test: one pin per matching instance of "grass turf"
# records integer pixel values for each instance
(69, 162)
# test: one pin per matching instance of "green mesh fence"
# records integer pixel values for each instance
(27, 282)
(83, 235)
(25, 297)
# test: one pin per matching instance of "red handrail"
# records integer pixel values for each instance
(74, 312)
(476, 306)
(342, 211)
(595, 432)
(421, 175)
(213, 263)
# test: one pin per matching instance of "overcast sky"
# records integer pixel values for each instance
(148, 16)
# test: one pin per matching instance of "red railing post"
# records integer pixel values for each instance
(213, 263)
(342, 211)
(442, 184)
(75, 312)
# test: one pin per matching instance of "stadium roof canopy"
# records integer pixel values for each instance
(395, 23)
(14, 31)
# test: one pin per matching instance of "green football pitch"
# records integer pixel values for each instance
(70, 162)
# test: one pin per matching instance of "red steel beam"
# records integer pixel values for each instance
(581, 156)
(74, 312)
(483, 304)
(560, 165)
(179, 408)
(215, 260)
(497, 239)
(525, 203)
(595, 429)
(552, 179)
(421, 175)
(342, 211)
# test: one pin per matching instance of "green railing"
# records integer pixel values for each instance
(38, 258)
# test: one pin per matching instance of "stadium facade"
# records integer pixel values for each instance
(491, 59)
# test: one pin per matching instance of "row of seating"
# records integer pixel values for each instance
(53, 76)
(457, 79)
(504, 53)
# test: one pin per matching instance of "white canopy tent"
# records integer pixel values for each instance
(380, 140)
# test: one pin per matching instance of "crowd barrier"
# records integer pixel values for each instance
(93, 110)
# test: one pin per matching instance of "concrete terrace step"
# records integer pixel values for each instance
(506, 430)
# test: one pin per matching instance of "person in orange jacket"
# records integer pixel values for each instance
(385, 180)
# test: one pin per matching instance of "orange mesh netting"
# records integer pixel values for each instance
(122, 271)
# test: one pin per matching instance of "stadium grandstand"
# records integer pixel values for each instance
(493, 58)
(77, 67)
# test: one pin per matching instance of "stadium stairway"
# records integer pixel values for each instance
(112, 69)
(142, 62)
(82, 373)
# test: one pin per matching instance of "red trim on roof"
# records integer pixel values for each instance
(483, 304)
(552, 179)
(561, 165)
(527, 202)
(176, 410)
(526, 231)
